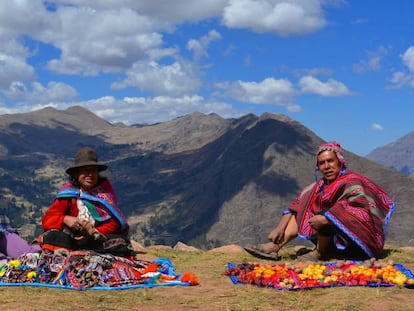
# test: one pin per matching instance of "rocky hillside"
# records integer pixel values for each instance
(398, 155)
(200, 179)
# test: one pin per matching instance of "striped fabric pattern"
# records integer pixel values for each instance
(359, 208)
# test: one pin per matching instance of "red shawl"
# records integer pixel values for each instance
(359, 208)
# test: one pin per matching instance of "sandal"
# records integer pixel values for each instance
(257, 251)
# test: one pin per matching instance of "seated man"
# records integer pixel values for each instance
(344, 214)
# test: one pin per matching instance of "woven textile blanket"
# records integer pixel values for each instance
(305, 275)
(82, 270)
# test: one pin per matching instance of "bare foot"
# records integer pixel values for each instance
(267, 248)
(265, 251)
(314, 255)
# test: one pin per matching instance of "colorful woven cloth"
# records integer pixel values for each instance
(302, 275)
(100, 201)
(82, 270)
(358, 208)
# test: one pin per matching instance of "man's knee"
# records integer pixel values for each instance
(291, 235)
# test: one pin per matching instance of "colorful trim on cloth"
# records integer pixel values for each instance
(81, 270)
(301, 275)
(101, 196)
(359, 208)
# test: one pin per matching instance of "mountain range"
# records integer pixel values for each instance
(200, 179)
(398, 155)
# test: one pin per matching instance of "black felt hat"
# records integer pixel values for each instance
(86, 156)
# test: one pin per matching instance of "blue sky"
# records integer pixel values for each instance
(344, 69)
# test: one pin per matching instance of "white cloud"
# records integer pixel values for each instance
(130, 38)
(27, 17)
(14, 68)
(311, 71)
(371, 64)
(122, 38)
(373, 61)
(199, 46)
(408, 58)
(176, 79)
(402, 78)
(140, 110)
(166, 14)
(269, 91)
(376, 127)
(285, 17)
(6, 110)
(107, 36)
(89, 41)
(310, 84)
(399, 79)
(37, 93)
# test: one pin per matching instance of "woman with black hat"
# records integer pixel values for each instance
(84, 214)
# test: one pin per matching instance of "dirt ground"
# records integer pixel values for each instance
(214, 292)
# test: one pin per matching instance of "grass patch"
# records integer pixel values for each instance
(215, 291)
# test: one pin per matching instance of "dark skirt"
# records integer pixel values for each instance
(115, 244)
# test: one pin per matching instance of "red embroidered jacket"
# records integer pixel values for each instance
(53, 218)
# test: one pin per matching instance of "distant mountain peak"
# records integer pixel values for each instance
(398, 155)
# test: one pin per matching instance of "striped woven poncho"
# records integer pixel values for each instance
(359, 209)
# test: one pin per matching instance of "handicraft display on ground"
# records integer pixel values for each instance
(302, 275)
(89, 270)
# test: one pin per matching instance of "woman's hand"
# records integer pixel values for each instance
(72, 223)
(91, 231)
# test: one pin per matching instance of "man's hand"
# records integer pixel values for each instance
(277, 235)
(318, 221)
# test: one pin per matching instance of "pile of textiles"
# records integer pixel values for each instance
(89, 270)
(305, 275)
